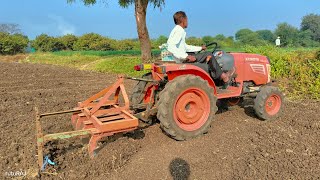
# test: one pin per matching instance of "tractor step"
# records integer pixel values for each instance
(231, 91)
(99, 116)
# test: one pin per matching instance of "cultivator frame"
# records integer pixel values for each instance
(99, 116)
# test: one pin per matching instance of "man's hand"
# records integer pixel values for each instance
(204, 47)
(208, 59)
(191, 58)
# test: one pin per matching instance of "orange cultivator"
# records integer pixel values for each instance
(99, 116)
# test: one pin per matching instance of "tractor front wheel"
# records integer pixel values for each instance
(269, 103)
(186, 107)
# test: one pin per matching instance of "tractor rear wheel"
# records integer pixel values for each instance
(269, 103)
(138, 91)
(186, 107)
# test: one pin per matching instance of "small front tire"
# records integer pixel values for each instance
(269, 103)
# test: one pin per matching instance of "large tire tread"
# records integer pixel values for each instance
(167, 99)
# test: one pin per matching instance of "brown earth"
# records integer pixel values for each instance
(238, 145)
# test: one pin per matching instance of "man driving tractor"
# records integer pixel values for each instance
(178, 47)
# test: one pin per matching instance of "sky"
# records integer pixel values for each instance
(206, 17)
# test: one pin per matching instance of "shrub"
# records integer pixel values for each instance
(47, 43)
(13, 44)
(68, 41)
(92, 41)
(125, 45)
(194, 41)
(103, 44)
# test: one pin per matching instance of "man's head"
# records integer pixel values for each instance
(180, 18)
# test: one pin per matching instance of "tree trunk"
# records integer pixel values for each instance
(145, 44)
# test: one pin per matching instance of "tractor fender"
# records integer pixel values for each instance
(189, 69)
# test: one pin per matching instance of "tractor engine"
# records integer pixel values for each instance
(252, 67)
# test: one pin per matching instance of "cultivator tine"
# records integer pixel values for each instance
(93, 143)
(39, 138)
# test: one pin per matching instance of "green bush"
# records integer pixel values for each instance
(84, 42)
(155, 43)
(68, 41)
(126, 45)
(104, 44)
(45, 43)
(94, 42)
(13, 44)
(195, 41)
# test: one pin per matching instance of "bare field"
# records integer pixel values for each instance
(238, 145)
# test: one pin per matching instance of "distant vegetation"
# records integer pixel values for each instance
(12, 42)
(296, 65)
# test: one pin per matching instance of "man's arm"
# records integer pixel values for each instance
(193, 48)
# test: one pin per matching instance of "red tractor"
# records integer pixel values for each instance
(183, 97)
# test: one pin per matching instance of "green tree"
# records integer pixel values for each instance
(86, 41)
(103, 44)
(220, 37)
(312, 22)
(305, 39)
(12, 44)
(223, 41)
(68, 41)
(155, 43)
(126, 44)
(162, 39)
(194, 41)
(266, 35)
(95, 42)
(207, 39)
(248, 37)
(140, 14)
(287, 33)
(47, 43)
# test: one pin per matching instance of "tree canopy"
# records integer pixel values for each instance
(287, 33)
(266, 35)
(312, 22)
(249, 37)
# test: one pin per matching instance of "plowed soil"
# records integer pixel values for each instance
(238, 145)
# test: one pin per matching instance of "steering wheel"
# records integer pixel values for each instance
(215, 46)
